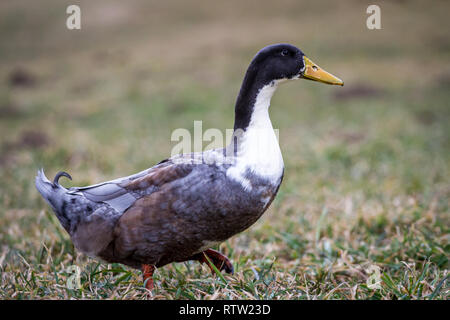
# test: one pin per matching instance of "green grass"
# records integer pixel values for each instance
(367, 177)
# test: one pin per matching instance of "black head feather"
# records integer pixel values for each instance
(274, 62)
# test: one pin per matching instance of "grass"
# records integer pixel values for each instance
(367, 166)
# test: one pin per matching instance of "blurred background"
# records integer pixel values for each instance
(101, 102)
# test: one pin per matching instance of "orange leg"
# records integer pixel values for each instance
(147, 274)
(220, 261)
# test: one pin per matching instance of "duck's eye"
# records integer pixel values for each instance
(284, 52)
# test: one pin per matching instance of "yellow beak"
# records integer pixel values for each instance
(316, 73)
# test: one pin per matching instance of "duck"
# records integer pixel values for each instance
(178, 209)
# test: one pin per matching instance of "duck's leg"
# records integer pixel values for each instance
(220, 261)
(147, 274)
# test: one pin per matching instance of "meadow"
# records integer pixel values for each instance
(367, 166)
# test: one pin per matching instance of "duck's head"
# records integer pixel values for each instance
(280, 62)
(272, 65)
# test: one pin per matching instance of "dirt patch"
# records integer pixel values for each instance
(29, 139)
(443, 80)
(358, 92)
(21, 77)
(426, 117)
(33, 139)
(348, 137)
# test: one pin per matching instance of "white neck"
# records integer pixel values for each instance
(257, 147)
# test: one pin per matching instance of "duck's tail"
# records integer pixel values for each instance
(52, 192)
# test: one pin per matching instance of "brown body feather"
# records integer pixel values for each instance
(192, 204)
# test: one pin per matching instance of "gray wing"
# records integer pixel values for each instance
(122, 193)
(112, 192)
(109, 192)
